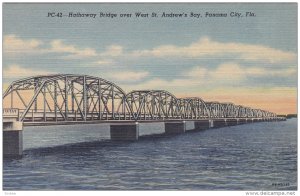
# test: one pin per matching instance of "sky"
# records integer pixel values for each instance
(248, 60)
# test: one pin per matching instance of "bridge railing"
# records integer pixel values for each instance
(41, 116)
(11, 113)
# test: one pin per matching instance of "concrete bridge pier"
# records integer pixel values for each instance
(175, 127)
(190, 125)
(202, 125)
(211, 123)
(12, 138)
(124, 131)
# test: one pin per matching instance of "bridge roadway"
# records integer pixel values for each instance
(226, 120)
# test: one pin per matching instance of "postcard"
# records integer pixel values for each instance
(150, 96)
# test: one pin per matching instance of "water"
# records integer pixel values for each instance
(260, 156)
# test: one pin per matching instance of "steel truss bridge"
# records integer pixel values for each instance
(69, 98)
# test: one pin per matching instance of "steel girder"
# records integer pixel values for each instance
(65, 97)
(229, 110)
(151, 105)
(193, 108)
(69, 97)
(217, 110)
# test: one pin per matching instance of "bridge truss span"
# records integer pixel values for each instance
(65, 98)
(193, 108)
(151, 105)
(70, 97)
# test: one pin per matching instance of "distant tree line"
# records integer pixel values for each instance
(288, 115)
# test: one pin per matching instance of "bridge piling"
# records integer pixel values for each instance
(190, 126)
(12, 133)
(124, 132)
(175, 127)
(202, 125)
(211, 123)
(12, 138)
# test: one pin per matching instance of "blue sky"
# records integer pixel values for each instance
(214, 58)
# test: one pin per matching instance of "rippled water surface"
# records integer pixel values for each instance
(260, 156)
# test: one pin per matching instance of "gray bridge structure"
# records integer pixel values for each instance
(63, 99)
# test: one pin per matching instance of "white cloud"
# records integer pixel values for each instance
(113, 51)
(13, 45)
(228, 72)
(225, 72)
(162, 84)
(128, 75)
(259, 72)
(289, 71)
(282, 72)
(231, 71)
(16, 71)
(207, 47)
(104, 62)
(198, 71)
(256, 71)
(58, 46)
